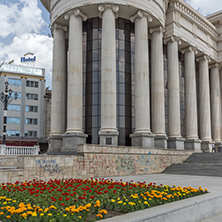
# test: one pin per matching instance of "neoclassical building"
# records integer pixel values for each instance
(135, 73)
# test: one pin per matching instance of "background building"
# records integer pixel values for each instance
(24, 115)
(141, 73)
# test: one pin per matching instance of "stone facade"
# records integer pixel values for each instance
(91, 161)
(140, 73)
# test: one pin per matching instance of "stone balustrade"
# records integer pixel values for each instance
(18, 150)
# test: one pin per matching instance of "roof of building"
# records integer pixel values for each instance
(23, 70)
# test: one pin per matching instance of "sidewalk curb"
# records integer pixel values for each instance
(193, 209)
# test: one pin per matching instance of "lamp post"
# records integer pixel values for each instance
(6, 98)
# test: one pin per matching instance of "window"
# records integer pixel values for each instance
(30, 133)
(13, 120)
(31, 96)
(16, 82)
(32, 84)
(31, 109)
(31, 121)
(12, 132)
(125, 72)
(14, 107)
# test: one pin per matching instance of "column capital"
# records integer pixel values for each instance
(189, 49)
(57, 26)
(140, 14)
(158, 29)
(215, 65)
(204, 57)
(103, 7)
(173, 39)
(77, 13)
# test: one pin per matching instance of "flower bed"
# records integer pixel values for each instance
(83, 200)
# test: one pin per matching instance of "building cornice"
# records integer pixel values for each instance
(191, 14)
(217, 16)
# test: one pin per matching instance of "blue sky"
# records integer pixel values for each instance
(24, 27)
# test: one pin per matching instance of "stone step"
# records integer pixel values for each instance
(205, 158)
(198, 169)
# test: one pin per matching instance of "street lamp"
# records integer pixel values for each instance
(6, 98)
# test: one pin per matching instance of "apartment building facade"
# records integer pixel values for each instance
(25, 114)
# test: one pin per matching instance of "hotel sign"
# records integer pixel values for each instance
(28, 59)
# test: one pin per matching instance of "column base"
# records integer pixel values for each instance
(143, 139)
(206, 146)
(176, 143)
(108, 137)
(217, 144)
(193, 144)
(160, 141)
(55, 144)
(72, 140)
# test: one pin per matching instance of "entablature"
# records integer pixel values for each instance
(156, 8)
(181, 8)
(192, 28)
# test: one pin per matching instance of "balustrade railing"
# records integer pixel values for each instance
(18, 150)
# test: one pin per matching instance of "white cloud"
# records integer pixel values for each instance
(206, 7)
(17, 19)
(40, 45)
(20, 29)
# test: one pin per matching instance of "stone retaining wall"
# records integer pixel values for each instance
(8, 161)
(94, 161)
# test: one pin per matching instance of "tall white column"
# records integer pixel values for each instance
(108, 132)
(204, 101)
(220, 73)
(174, 136)
(192, 140)
(215, 103)
(74, 132)
(142, 135)
(59, 89)
(157, 88)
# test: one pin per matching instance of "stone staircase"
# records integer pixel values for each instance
(199, 164)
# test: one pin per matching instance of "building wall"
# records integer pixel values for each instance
(93, 161)
(174, 28)
(30, 100)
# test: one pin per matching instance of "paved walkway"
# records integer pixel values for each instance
(216, 218)
(213, 184)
